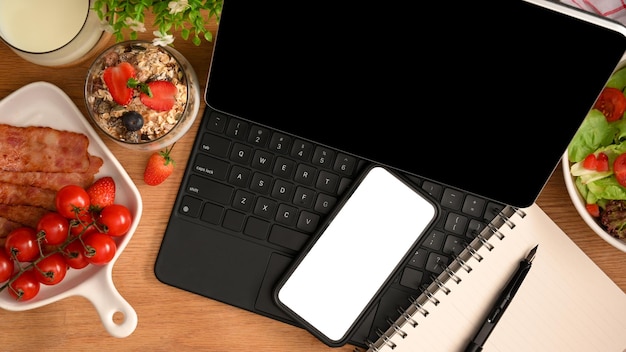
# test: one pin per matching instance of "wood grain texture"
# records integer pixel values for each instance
(171, 319)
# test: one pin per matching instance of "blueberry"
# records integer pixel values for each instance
(133, 121)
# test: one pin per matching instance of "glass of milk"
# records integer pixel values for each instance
(49, 32)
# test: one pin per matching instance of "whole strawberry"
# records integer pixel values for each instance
(160, 166)
(102, 192)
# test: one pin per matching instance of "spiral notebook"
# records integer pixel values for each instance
(566, 303)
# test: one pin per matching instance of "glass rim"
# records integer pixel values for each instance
(13, 46)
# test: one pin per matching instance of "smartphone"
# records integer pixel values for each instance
(337, 277)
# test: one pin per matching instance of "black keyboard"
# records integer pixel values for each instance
(268, 186)
(274, 189)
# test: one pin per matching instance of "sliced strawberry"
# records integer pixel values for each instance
(116, 79)
(163, 96)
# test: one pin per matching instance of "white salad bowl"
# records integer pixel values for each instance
(579, 204)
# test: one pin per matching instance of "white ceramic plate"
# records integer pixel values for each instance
(579, 204)
(44, 104)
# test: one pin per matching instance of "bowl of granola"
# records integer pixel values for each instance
(142, 96)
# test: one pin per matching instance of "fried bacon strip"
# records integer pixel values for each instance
(7, 226)
(35, 162)
(12, 194)
(54, 180)
(26, 215)
(42, 149)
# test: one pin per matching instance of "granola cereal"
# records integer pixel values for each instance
(152, 63)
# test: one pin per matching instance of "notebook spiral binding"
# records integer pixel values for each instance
(442, 283)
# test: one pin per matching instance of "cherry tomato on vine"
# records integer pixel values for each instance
(82, 224)
(71, 200)
(25, 286)
(99, 248)
(51, 269)
(74, 255)
(116, 218)
(612, 103)
(23, 242)
(7, 265)
(54, 226)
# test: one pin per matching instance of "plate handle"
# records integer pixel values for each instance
(109, 303)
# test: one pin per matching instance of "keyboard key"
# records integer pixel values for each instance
(324, 203)
(288, 238)
(308, 221)
(433, 189)
(239, 176)
(280, 143)
(436, 263)
(209, 189)
(327, 181)
(305, 174)
(215, 145)
(243, 200)
(265, 208)
(237, 129)
(282, 190)
(324, 157)
(345, 164)
(261, 183)
(343, 185)
(257, 228)
(190, 206)
(259, 136)
(211, 166)
(212, 213)
(262, 160)
(411, 278)
(474, 228)
(304, 197)
(418, 259)
(287, 215)
(216, 122)
(233, 220)
(301, 150)
(492, 210)
(284, 167)
(454, 245)
(456, 223)
(452, 199)
(473, 206)
(434, 240)
(241, 154)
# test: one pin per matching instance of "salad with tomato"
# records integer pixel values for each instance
(598, 156)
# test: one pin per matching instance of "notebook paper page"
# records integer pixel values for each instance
(566, 303)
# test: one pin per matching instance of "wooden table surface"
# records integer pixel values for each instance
(170, 319)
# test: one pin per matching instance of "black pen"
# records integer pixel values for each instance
(502, 303)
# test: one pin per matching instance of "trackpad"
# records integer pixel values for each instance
(276, 267)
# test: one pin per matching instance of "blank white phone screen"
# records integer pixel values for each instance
(352, 259)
